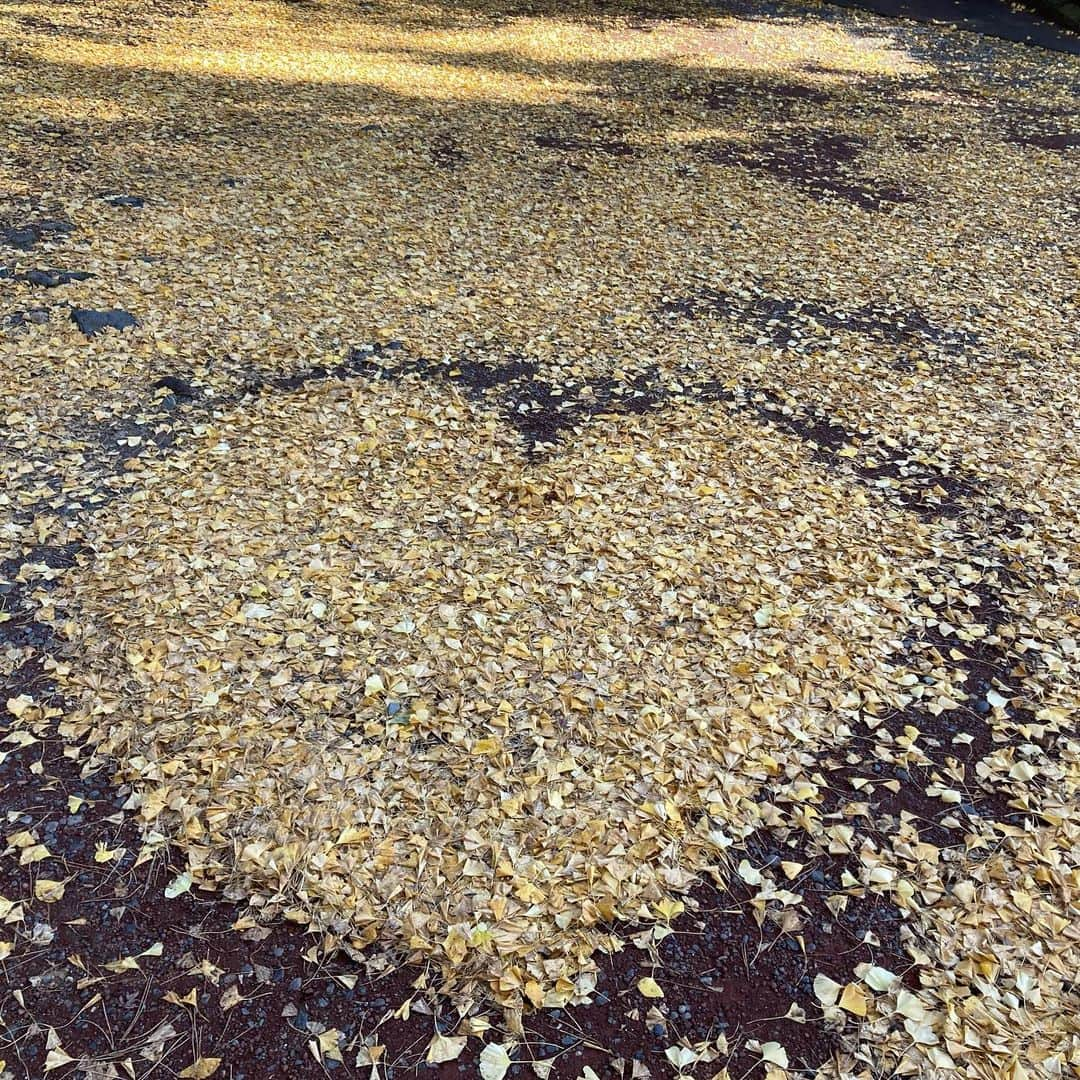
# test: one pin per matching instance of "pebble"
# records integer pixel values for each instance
(50, 279)
(92, 322)
(180, 387)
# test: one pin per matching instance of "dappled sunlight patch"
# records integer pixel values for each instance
(523, 60)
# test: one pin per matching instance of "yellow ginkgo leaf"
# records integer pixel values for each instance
(201, 1068)
(853, 1000)
(48, 892)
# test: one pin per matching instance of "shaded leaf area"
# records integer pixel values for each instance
(828, 163)
(1027, 24)
(805, 324)
(821, 163)
(576, 144)
(542, 413)
(1059, 133)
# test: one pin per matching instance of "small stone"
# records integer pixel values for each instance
(180, 387)
(22, 238)
(92, 322)
(50, 279)
(123, 200)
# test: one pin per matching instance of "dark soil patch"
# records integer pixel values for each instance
(978, 669)
(805, 325)
(447, 153)
(543, 412)
(177, 386)
(726, 975)
(922, 488)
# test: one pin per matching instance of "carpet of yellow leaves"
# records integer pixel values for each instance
(376, 665)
